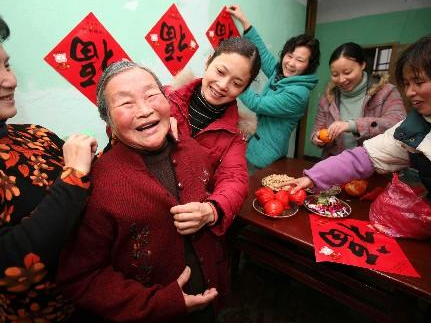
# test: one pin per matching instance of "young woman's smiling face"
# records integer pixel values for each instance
(225, 78)
(346, 73)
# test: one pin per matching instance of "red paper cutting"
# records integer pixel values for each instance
(84, 53)
(354, 242)
(222, 28)
(172, 40)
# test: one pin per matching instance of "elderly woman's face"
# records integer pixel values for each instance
(138, 110)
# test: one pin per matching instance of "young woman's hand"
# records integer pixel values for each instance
(297, 183)
(190, 217)
(78, 152)
(199, 301)
(315, 140)
(174, 127)
(337, 128)
(235, 10)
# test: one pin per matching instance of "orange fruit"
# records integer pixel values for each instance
(324, 135)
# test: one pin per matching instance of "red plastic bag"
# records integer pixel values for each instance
(399, 211)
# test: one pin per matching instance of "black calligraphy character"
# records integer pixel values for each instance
(107, 55)
(220, 31)
(87, 51)
(168, 34)
(334, 237)
(181, 45)
(359, 250)
(87, 70)
(368, 237)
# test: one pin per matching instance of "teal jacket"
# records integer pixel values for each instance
(279, 108)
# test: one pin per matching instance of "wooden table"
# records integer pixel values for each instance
(286, 245)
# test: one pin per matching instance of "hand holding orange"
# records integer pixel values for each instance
(324, 135)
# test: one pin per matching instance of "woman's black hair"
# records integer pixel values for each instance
(4, 30)
(303, 41)
(350, 51)
(417, 57)
(243, 47)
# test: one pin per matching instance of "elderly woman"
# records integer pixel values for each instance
(128, 261)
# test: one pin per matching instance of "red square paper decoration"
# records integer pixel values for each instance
(83, 55)
(222, 28)
(172, 40)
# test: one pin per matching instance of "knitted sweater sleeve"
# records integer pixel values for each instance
(392, 112)
(90, 280)
(50, 224)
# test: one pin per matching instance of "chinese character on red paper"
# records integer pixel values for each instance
(354, 242)
(83, 55)
(172, 40)
(223, 27)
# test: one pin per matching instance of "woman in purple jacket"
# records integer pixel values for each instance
(408, 143)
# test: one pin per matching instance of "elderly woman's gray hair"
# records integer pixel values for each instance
(112, 70)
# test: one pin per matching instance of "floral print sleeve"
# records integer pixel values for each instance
(75, 177)
(40, 207)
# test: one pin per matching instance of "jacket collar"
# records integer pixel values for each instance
(181, 97)
(375, 83)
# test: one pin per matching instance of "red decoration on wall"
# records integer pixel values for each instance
(222, 28)
(172, 40)
(356, 243)
(84, 53)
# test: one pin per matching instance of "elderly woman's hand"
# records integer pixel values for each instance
(78, 152)
(199, 301)
(190, 217)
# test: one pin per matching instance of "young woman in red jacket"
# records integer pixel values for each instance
(206, 109)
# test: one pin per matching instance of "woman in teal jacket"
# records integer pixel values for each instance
(285, 96)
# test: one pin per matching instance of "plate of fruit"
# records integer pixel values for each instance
(327, 205)
(280, 204)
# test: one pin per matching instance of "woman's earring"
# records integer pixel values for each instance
(113, 139)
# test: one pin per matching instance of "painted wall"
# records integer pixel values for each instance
(44, 97)
(402, 27)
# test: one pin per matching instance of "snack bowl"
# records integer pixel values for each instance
(327, 206)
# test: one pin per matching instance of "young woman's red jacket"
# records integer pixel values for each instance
(226, 147)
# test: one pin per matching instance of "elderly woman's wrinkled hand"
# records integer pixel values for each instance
(297, 183)
(190, 217)
(78, 152)
(199, 301)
